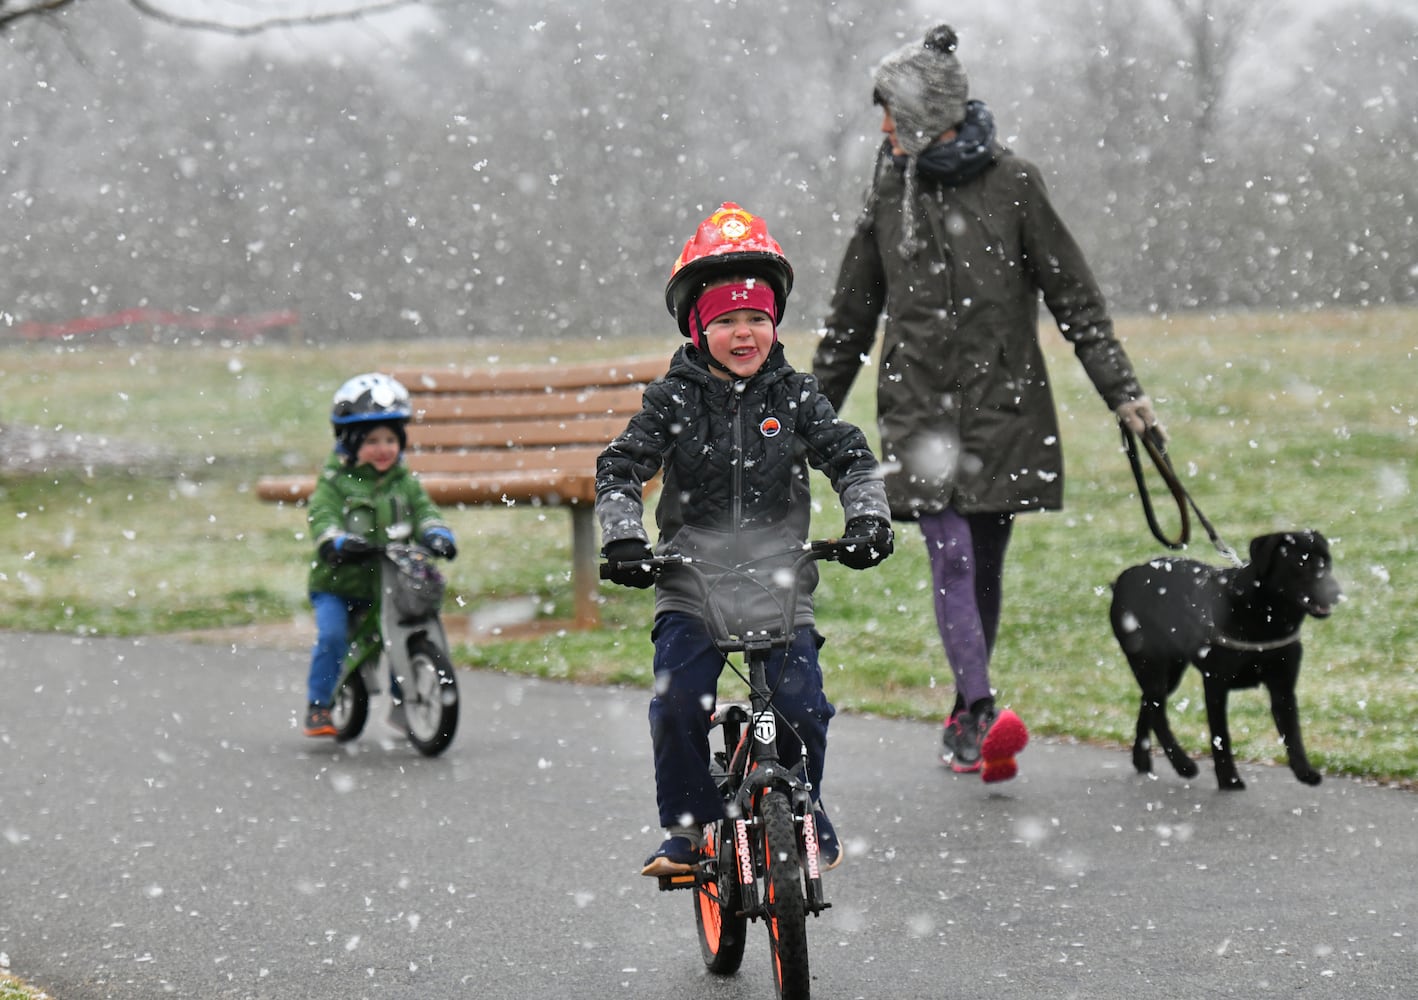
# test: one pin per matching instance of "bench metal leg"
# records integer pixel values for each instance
(584, 566)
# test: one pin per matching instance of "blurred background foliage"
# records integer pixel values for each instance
(489, 170)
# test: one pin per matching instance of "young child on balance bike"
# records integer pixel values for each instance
(734, 429)
(363, 491)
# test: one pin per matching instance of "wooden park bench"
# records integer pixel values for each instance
(511, 436)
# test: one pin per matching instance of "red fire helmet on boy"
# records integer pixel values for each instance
(731, 242)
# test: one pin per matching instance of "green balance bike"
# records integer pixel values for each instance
(403, 630)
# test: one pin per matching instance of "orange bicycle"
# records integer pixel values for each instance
(761, 862)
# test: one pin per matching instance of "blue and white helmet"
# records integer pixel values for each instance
(370, 398)
(366, 401)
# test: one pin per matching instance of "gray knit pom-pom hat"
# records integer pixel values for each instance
(924, 87)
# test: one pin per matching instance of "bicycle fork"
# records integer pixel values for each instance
(756, 771)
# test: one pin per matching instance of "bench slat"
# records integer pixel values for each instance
(285, 489)
(528, 486)
(570, 458)
(499, 405)
(548, 487)
(514, 434)
(468, 378)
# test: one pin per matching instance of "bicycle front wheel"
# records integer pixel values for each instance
(717, 904)
(430, 698)
(783, 886)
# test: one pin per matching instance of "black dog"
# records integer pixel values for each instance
(1241, 627)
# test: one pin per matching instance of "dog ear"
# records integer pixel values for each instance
(1263, 550)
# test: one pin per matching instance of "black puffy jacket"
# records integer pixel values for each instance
(735, 457)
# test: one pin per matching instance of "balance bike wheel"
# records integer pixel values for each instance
(430, 697)
(350, 711)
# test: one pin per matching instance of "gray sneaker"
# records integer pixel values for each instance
(961, 739)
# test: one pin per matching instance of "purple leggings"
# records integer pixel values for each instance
(967, 566)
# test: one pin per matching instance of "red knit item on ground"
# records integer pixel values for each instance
(1005, 739)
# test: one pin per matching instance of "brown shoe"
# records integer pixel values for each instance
(676, 856)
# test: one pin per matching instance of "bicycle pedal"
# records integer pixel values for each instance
(682, 880)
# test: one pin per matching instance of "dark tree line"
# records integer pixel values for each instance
(489, 169)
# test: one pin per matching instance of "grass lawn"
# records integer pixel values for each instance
(14, 989)
(1276, 422)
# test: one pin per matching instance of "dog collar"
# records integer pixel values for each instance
(1241, 646)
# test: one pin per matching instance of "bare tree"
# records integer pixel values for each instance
(1213, 32)
(505, 167)
(12, 11)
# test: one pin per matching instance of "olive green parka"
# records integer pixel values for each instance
(964, 404)
(377, 507)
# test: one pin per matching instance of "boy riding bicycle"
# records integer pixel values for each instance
(734, 429)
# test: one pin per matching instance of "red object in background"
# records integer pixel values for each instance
(243, 326)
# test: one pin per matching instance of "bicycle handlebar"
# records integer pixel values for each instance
(826, 549)
(373, 550)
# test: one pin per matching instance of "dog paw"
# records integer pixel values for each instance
(1311, 777)
(1231, 784)
(1186, 767)
(1142, 761)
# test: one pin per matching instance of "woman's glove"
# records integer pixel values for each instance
(627, 563)
(882, 542)
(439, 541)
(1138, 416)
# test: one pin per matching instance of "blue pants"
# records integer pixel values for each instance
(687, 668)
(332, 641)
(967, 565)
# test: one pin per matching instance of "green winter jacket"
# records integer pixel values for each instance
(362, 502)
(964, 405)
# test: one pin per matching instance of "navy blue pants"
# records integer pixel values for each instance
(334, 616)
(327, 657)
(687, 668)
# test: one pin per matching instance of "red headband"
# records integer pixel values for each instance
(714, 302)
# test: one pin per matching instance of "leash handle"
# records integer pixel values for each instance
(1157, 450)
(1164, 468)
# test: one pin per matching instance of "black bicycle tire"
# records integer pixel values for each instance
(783, 894)
(718, 906)
(447, 725)
(350, 710)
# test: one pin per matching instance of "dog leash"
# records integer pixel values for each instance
(1156, 448)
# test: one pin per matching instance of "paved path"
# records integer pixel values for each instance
(166, 831)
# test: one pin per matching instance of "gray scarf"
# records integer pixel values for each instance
(952, 162)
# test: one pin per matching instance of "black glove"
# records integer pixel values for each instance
(440, 542)
(881, 545)
(627, 567)
(344, 548)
